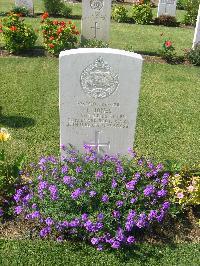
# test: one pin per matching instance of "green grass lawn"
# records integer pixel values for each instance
(75, 254)
(168, 119)
(140, 38)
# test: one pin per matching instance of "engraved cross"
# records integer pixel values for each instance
(97, 144)
(95, 29)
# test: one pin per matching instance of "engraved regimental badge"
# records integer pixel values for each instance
(97, 4)
(98, 79)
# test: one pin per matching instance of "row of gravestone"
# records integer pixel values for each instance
(96, 17)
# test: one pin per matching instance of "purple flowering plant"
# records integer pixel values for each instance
(104, 200)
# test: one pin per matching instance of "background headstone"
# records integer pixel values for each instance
(25, 3)
(99, 93)
(167, 7)
(95, 23)
(197, 30)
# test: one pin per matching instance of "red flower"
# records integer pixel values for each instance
(13, 28)
(73, 27)
(51, 38)
(59, 30)
(77, 32)
(69, 22)
(168, 44)
(55, 22)
(51, 45)
(45, 15)
(62, 23)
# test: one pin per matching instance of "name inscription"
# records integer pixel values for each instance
(103, 116)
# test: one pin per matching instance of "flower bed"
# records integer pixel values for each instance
(102, 200)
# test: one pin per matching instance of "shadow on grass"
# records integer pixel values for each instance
(139, 253)
(15, 121)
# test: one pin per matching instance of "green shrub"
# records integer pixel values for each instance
(22, 11)
(119, 14)
(58, 35)
(66, 11)
(93, 44)
(141, 13)
(169, 55)
(184, 189)
(106, 200)
(17, 35)
(166, 21)
(181, 4)
(194, 55)
(9, 175)
(191, 7)
(57, 7)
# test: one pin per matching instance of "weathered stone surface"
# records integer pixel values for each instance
(95, 23)
(167, 7)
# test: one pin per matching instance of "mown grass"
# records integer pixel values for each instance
(168, 116)
(51, 253)
(140, 38)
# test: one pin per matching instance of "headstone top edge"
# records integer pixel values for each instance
(100, 51)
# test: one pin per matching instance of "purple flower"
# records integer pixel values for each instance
(92, 193)
(129, 225)
(152, 215)
(99, 247)
(149, 190)
(119, 203)
(63, 147)
(77, 193)
(79, 169)
(34, 206)
(100, 216)
(161, 193)
(84, 217)
(131, 215)
(115, 245)
(137, 175)
(45, 231)
(64, 169)
(99, 175)
(120, 234)
(54, 192)
(105, 198)
(116, 214)
(130, 240)
(132, 152)
(42, 185)
(141, 222)
(133, 200)
(159, 166)
(131, 185)
(1, 212)
(35, 215)
(88, 184)
(119, 169)
(67, 180)
(49, 221)
(74, 223)
(59, 239)
(95, 240)
(18, 210)
(161, 216)
(114, 183)
(166, 205)
(65, 224)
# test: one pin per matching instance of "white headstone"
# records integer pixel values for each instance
(95, 23)
(99, 93)
(27, 4)
(197, 30)
(167, 7)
